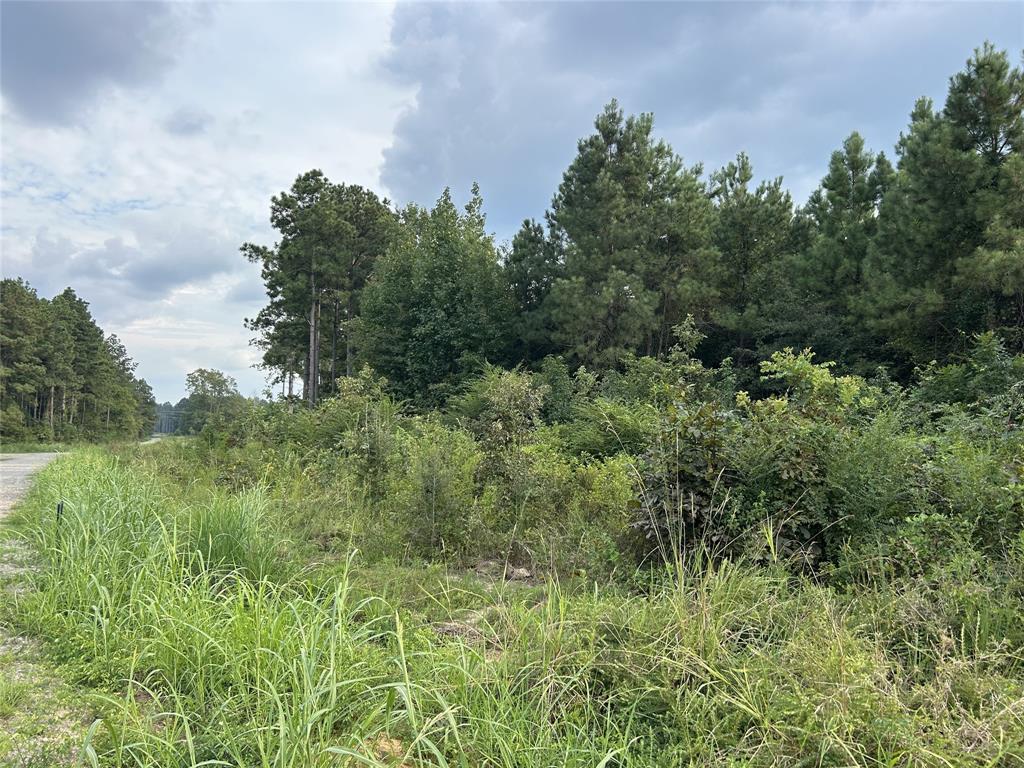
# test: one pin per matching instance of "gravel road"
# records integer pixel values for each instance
(16, 470)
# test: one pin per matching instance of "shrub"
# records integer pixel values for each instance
(683, 496)
(988, 371)
(12, 423)
(434, 491)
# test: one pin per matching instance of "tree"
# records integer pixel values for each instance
(331, 234)
(753, 233)
(436, 306)
(995, 269)
(22, 327)
(929, 279)
(531, 267)
(632, 227)
(829, 273)
(212, 396)
(60, 376)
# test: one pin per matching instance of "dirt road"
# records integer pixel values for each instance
(16, 470)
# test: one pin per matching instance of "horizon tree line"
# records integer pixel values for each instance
(61, 377)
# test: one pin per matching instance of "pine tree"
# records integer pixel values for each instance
(59, 376)
(753, 233)
(331, 234)
(531, 267)
(929, 280)
(829, 273)
(632, 227)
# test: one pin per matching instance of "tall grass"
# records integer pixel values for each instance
(211, 653)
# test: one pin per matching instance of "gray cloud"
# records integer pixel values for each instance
(140, 148)
(188, 122)
(504, 91)
(57, 55)
(150, 270)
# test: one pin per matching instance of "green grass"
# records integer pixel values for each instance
(12, 695)
(216, 647)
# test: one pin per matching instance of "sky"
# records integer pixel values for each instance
(141, 142)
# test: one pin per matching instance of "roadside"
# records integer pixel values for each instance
(42, 718)
(16, 470)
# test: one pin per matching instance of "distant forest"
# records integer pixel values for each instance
(889, 264)
(61, 377)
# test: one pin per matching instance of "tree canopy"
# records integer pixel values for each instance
(883, 266)
(437, 305)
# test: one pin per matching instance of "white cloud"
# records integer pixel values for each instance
(141, 201)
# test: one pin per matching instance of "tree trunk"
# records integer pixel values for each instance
(316, 352)
(53, 396)
(311, 364)
(334, 347)
(349, 311)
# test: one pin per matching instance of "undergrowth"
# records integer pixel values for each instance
(217, 644)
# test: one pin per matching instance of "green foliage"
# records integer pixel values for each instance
(829, 273)
(632, 227)
(331, 237)
(530, 268)
(212, 402)
(950, 216)
(60, 377)
(683, 501)
(233, 534)
(831, 460)
(988, 371)
(500, 408)
(555, 376)
(436, 306)
(604, 427)
(434, 492)
(882, 267)
(755, 235)
(711, 663)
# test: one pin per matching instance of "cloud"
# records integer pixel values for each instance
(188, 122)
(56, 56)
(162, 149)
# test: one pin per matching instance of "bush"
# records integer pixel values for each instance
(12, 423)
(987, 372)
(684, 498)
(434, 492)
(602, 427)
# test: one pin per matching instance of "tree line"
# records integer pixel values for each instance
(61, 377)
(887, 264)
(213, 400)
